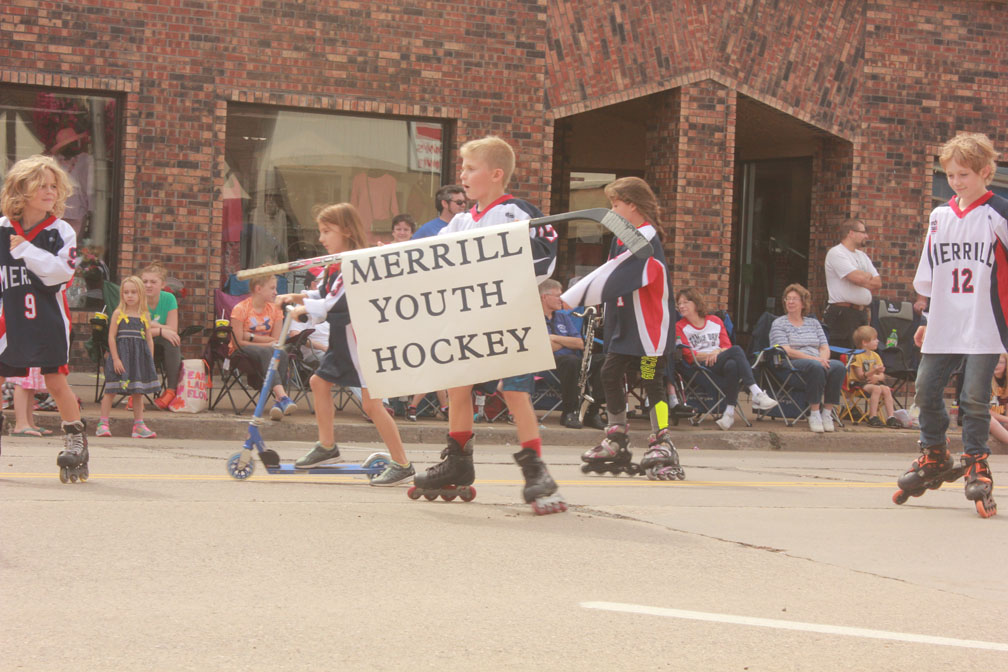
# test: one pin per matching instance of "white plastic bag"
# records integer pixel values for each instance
(193, 392)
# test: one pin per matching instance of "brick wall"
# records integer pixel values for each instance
(178, 64)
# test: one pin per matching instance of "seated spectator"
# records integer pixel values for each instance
(164, 327)
(999, 401)
(403, 226)
(256, 324)
(707, 340)
(568, 352)
(803, 340)
(866, 372)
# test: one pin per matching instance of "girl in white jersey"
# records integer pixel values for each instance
(964, 269)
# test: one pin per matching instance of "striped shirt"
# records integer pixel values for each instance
(807, 338)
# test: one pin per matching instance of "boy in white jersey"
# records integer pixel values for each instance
(964, 270)
(487, 165)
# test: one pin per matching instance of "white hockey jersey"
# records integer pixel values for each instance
(964, 269)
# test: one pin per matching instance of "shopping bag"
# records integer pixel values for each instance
(193, 392)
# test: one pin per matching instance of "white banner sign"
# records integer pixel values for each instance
(446, 311)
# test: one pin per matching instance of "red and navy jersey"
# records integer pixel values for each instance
(636, 296)
(508, 209)
(35, 316)
(964, 269)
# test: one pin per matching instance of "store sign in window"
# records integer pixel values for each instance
(282, 164)
(82, 133)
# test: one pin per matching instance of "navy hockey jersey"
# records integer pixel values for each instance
(328, 303)
(34, 315)
(636, 297)
(508, 209)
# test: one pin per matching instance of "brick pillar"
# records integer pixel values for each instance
(702, 215)
(832, 168)
(662, 164)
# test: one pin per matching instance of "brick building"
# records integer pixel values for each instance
(204, 132)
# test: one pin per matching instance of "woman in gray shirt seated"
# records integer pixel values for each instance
(804, 341)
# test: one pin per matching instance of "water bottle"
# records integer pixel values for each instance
(893, 340)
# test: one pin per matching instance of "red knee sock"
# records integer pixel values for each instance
(460, 437)
(534, 444)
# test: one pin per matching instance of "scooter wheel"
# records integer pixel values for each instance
(238, 472)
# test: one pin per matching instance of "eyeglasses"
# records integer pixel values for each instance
(461, 204)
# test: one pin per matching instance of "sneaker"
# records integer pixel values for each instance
(103, 429)
(165, 399)
(726, 421)
(826, 417)
(319, 456)
(281, 408)
(593, 420)
(761, 401)
(411, 414)
(141, 431)
(815, 422)
(393, 474)
(571, 420)
(874, 421)
(893, 423)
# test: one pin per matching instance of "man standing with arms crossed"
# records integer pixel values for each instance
(850, 280)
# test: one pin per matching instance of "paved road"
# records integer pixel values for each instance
(161, 561)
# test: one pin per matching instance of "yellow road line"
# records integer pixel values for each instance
(594, 482)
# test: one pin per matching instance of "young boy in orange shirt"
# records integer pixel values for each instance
(866, 372)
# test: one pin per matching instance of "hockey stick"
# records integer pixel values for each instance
(621, 228)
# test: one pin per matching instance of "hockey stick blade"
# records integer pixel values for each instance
(621, 228)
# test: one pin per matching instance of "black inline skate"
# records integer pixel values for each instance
(540, 489)
(450, 478)
(979, 484)
(934, 467)
(661, 461)
(73, 459)
(612, 455)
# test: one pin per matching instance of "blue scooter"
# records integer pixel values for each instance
(241, 465)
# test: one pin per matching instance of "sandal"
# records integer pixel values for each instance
(43, 431)
(31, 431)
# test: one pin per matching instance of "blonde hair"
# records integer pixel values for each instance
(863, 334)
(495, 152)
(260, 280)
(973, 150)
(157, 269)
(344, 216)
(142, 307)
(803, 294)
(25, 178)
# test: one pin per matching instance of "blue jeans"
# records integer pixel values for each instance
(821, 384)
(932, 377)
(730, 367)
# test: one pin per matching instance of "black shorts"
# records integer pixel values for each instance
(20, 372)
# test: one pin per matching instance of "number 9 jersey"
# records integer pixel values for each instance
(964, 269)
(34, 314)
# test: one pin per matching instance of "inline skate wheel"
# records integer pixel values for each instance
(64, 475)
(651, 474)
(984, 511)
(448, 496)
(84, 473)
(238, 472)
(586, 469)
(430, 496)
(412, 493)
(900, 497)
(468, 494)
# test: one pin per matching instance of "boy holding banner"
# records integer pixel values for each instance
(487, 165)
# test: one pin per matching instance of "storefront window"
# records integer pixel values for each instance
(82, 132)
(941, 192)
(588, 241)
(284, 163)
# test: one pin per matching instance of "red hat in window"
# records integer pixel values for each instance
(64, 137)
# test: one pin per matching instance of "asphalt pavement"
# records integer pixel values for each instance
(760, 560)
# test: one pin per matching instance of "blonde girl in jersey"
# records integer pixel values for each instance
(129, 367)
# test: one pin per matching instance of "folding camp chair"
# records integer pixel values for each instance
(855, 401)
(234, 373)
(779, 379)
(547, 395)
(902, 359)
(703, 390)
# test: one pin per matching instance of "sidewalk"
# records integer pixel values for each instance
(354, 428)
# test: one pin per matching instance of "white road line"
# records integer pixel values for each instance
(794, 625)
